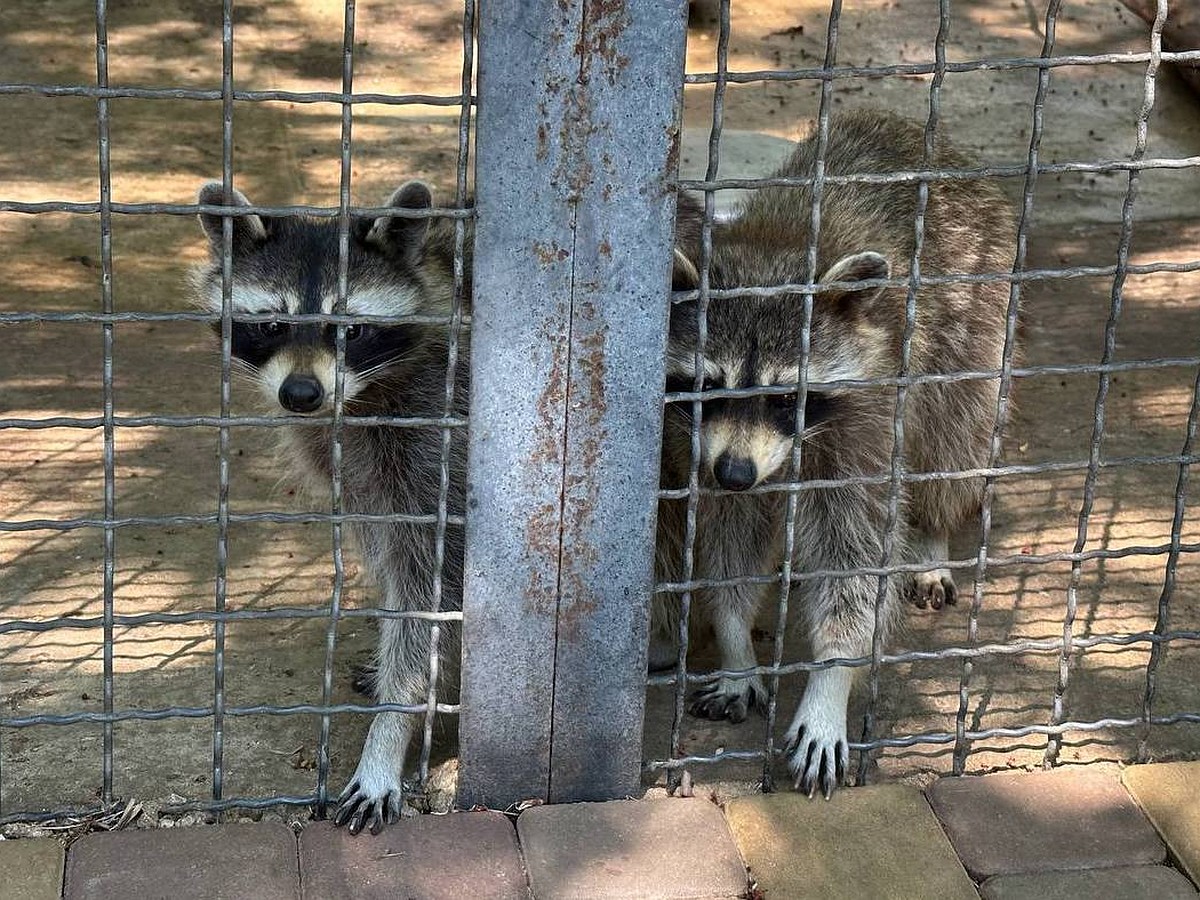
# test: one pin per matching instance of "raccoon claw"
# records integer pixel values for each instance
(711, 703)
(362, 679)
(728, 700)
(934, 589)
(357, 807)
(813, 762)
(818, 753)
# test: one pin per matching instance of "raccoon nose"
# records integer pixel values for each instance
(300, 393)
(735, 473)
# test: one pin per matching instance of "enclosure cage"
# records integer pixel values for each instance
(179, 629)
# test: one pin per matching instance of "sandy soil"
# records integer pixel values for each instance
(162, 150)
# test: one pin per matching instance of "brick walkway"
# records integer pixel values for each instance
(1092, 833)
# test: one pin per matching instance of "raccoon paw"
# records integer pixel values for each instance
(818, 753)
(729, 698)
(371, 801)
(934, 589)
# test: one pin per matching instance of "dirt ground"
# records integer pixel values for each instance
(162, 150)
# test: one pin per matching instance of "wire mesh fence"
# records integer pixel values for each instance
(211, 622)
(1046, 720)
(172, 627)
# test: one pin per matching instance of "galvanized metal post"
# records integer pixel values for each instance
(577, 141)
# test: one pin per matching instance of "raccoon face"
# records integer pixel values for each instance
(290, 265)
(755, 342)
(747, 440)
(295, 364)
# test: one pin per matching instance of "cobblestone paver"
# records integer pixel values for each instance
(232, 862)
(653, 849)
(1069, 834)
(31, 869)
(1123, 883)
(868, 842)
(1170, 795)
(461, 855)
(1071, 818)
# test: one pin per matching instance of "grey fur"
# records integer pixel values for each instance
(866, 232)
(385, 470)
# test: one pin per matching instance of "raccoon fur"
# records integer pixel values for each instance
(866, 233)
(396, 267)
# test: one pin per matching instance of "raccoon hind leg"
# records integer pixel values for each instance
(940, 507)
(933, 587)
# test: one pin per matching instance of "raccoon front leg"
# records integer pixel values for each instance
(816, 745)
(375, 794)
(732, 613)
(933, 587)
(840, 616)
(734, 539)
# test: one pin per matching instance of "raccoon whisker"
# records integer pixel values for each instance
(683, 410)
(370, 372)
(237, 366)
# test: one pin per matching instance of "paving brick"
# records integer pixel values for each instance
(1015, 822)
(226, 862)
(660, 849)
(424, 858)
(33, 869)
(880, 841)
(1168, 793)
(1122, 883)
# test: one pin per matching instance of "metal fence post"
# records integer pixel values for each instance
(577, 135)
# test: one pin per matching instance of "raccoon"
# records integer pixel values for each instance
(396, 267)
(866, 234)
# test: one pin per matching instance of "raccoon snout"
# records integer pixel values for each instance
(735, 473)
(301, 393)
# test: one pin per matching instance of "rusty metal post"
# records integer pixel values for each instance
(577, 140)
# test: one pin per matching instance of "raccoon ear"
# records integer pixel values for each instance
(858, 267)
(403, 237)
(865, 266)
(684, 274)
(247, 230)
(689, 226)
